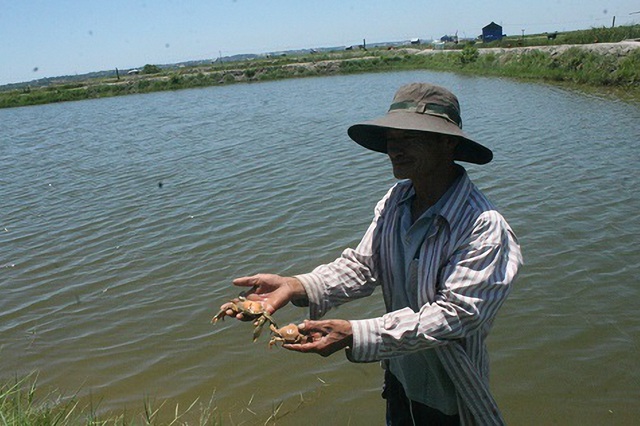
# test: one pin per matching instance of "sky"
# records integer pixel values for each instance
(51, 38)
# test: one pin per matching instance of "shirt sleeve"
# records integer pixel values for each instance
(473, 284)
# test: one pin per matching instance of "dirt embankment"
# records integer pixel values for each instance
(622, 48)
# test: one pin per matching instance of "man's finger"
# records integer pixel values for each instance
(300, 347)
(246, 281)
(269, 308)
(252, 290)
(309, 348)
(310, 326)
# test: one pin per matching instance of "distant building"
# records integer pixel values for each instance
(415, 41)
(492, 32)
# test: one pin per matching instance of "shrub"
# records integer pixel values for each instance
(143, 85)
(176, 79)
(469, 54)
(151, 69)
(628, 71)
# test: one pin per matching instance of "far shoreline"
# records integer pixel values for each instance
(607, 68)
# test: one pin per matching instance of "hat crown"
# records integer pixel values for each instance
(424, 98)
(421, 107)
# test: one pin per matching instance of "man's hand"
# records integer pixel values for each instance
(273, 291)
(327, 337)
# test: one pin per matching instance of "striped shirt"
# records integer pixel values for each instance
(421, 373)
(467, 263)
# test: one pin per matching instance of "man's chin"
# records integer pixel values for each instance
(400, 172)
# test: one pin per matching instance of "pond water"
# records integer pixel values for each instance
(124, 220)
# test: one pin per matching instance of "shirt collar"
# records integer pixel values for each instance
(458, 196)
(408, 195)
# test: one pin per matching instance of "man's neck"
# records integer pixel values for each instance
(430, 188)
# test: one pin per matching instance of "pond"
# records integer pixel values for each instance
(124, 220)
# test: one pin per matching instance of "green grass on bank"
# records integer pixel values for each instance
(23, 404)
(575, 66)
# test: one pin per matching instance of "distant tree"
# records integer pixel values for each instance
(150, 69)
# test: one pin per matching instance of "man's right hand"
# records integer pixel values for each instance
(274, 291)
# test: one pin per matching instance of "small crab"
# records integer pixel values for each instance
(249, 309)
(287, 334)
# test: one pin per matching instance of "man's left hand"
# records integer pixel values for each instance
(326, 337)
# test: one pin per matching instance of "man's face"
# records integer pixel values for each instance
(415, 154)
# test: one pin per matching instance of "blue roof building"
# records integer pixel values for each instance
(492, 32)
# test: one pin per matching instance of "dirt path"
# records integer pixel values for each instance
(622, 48)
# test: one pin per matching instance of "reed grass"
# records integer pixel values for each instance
(22, 405)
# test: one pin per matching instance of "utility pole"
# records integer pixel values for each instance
(613, 25)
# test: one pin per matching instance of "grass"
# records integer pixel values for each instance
(21, 405)
(574, 66)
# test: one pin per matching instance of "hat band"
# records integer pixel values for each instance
(449, 114)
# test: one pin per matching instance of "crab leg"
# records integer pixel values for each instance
(259, 323)
(222, 313)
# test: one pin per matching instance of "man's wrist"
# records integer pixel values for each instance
(298, 293)
(349, 335)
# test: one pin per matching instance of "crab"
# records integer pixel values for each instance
(287, 334)
(249, 309)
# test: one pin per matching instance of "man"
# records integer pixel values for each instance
(445, 259)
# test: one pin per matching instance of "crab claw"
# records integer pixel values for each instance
(270, 319)
(219, 315)
(223, 312)
(259, 323)
(274, 339)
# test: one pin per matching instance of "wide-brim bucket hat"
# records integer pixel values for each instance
(426, 108)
